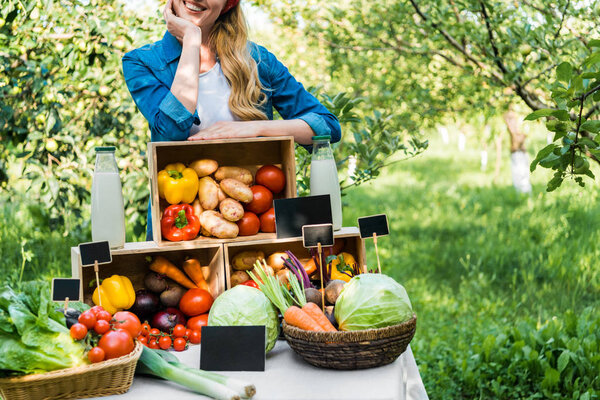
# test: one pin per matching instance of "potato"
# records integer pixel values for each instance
(231, 209)
(275, 260)
(241, 174)
(245, 260)
(284, 276)
(204, 167)
(238, 277)
(314, 296)
(221, 194)
(333, 290)
(237, 190)
(208, 193)
(218, 226)
(197, 208)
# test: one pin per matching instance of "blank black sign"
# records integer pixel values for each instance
(312, 235)
(95, 251)
(232, 348)
(377, 224)
(292, 214)
(65, 287)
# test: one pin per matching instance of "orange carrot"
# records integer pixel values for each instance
(315, 312)
(299, 318)
(165, 267)
(193, 269)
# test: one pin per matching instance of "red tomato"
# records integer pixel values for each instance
(179, 331)
(179, 344)
(145, 329)
(188, 332)
(250, 283)
(195, 337)
(195, 302)
(103, 315)
(153, 344)
(78, 331)
(262, 200)
(116, 343)
(128, 321)
(96, 309)
(196, 323)
(155, 331)
(101, 327)
(88, 319)
(272, 177)
(267, 221)
(143, 340)
(249, 224)
(164, 342)
(96, 354)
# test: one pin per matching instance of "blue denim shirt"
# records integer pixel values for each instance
(149, 72)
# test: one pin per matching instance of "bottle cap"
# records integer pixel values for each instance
(321, 137)
(105, 149)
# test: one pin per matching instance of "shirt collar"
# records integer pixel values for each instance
(171, 47)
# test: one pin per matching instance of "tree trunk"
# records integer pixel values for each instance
(519, 159)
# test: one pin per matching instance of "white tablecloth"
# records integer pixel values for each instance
(289, 377)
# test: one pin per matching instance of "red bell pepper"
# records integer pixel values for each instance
(180, 223)
(250, 283)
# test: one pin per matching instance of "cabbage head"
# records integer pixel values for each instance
(371, 301)
(244, 306)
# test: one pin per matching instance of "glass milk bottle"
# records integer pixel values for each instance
(108, 211)
(324, 177)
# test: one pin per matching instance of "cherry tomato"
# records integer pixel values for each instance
(188, 332)
(262, 199)
(78, 331)
(97, 309)
(179, 344)
(195, 337)
(116, 343)
(145, 329)
(101, 327)
(196, 323)
(128, 321)
(164, 342)
(271, 177)
(249, 224)
(179, 331)
(267, 221)
(195, 302)
(250, 283)
(143, 340)
(88, 319)
(153, 344)
(96, 354)
(103, 315)
(155, 331)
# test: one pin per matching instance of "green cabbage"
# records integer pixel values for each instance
(243, 306)
(371, 301)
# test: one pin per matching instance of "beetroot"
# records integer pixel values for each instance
(167, 319)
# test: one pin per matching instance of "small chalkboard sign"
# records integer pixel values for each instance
(374, 224)
(95, 252)
(313, 235)
(233, 348)
(65, 289)
(292, 214)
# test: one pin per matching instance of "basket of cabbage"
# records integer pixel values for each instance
(376, 324)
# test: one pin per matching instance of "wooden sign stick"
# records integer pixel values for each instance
(376, 251)
(320, 250)
(98, 282)
(66, 303)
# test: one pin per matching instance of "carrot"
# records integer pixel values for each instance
(165, 267)
(193, 269)
(316, 313)
(299, 318)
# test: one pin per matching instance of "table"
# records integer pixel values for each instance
(287, 376)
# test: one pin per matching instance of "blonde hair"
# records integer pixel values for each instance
(229, 38)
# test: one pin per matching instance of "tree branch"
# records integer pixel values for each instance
(562, 20)
(545, 71)
(497, 58)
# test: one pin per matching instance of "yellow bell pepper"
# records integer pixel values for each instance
(348, 260)
(116, 294)
(177, 184)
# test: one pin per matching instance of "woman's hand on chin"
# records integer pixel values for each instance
(228, 130)
(180, 27)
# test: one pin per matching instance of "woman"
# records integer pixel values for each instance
(205, 80)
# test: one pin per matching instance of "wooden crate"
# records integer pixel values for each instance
(353, 245)
(250, 153)
(131, 262)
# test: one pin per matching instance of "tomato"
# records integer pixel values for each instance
(267, 221)
(143, 340)
(145, 329)
(196, 323)
(103, 315)
(153, 344)
(195, 337)
(96, 354)
(101, 327)
(262, 200)
(250, 283)
(272, 177)
(164, 342)
(188, 332)
(116, 343)
(179, 331)
(179, 344)
(249, 224)
(128, 321)
(97, 309)
(78, 331)
(195, 302)
(88, 319)
(155, 331)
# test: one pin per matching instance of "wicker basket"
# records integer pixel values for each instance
(352, 349)
(100, 379)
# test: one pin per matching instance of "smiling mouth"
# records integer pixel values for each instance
(193, 8)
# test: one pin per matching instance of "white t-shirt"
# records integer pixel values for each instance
(213, 98)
